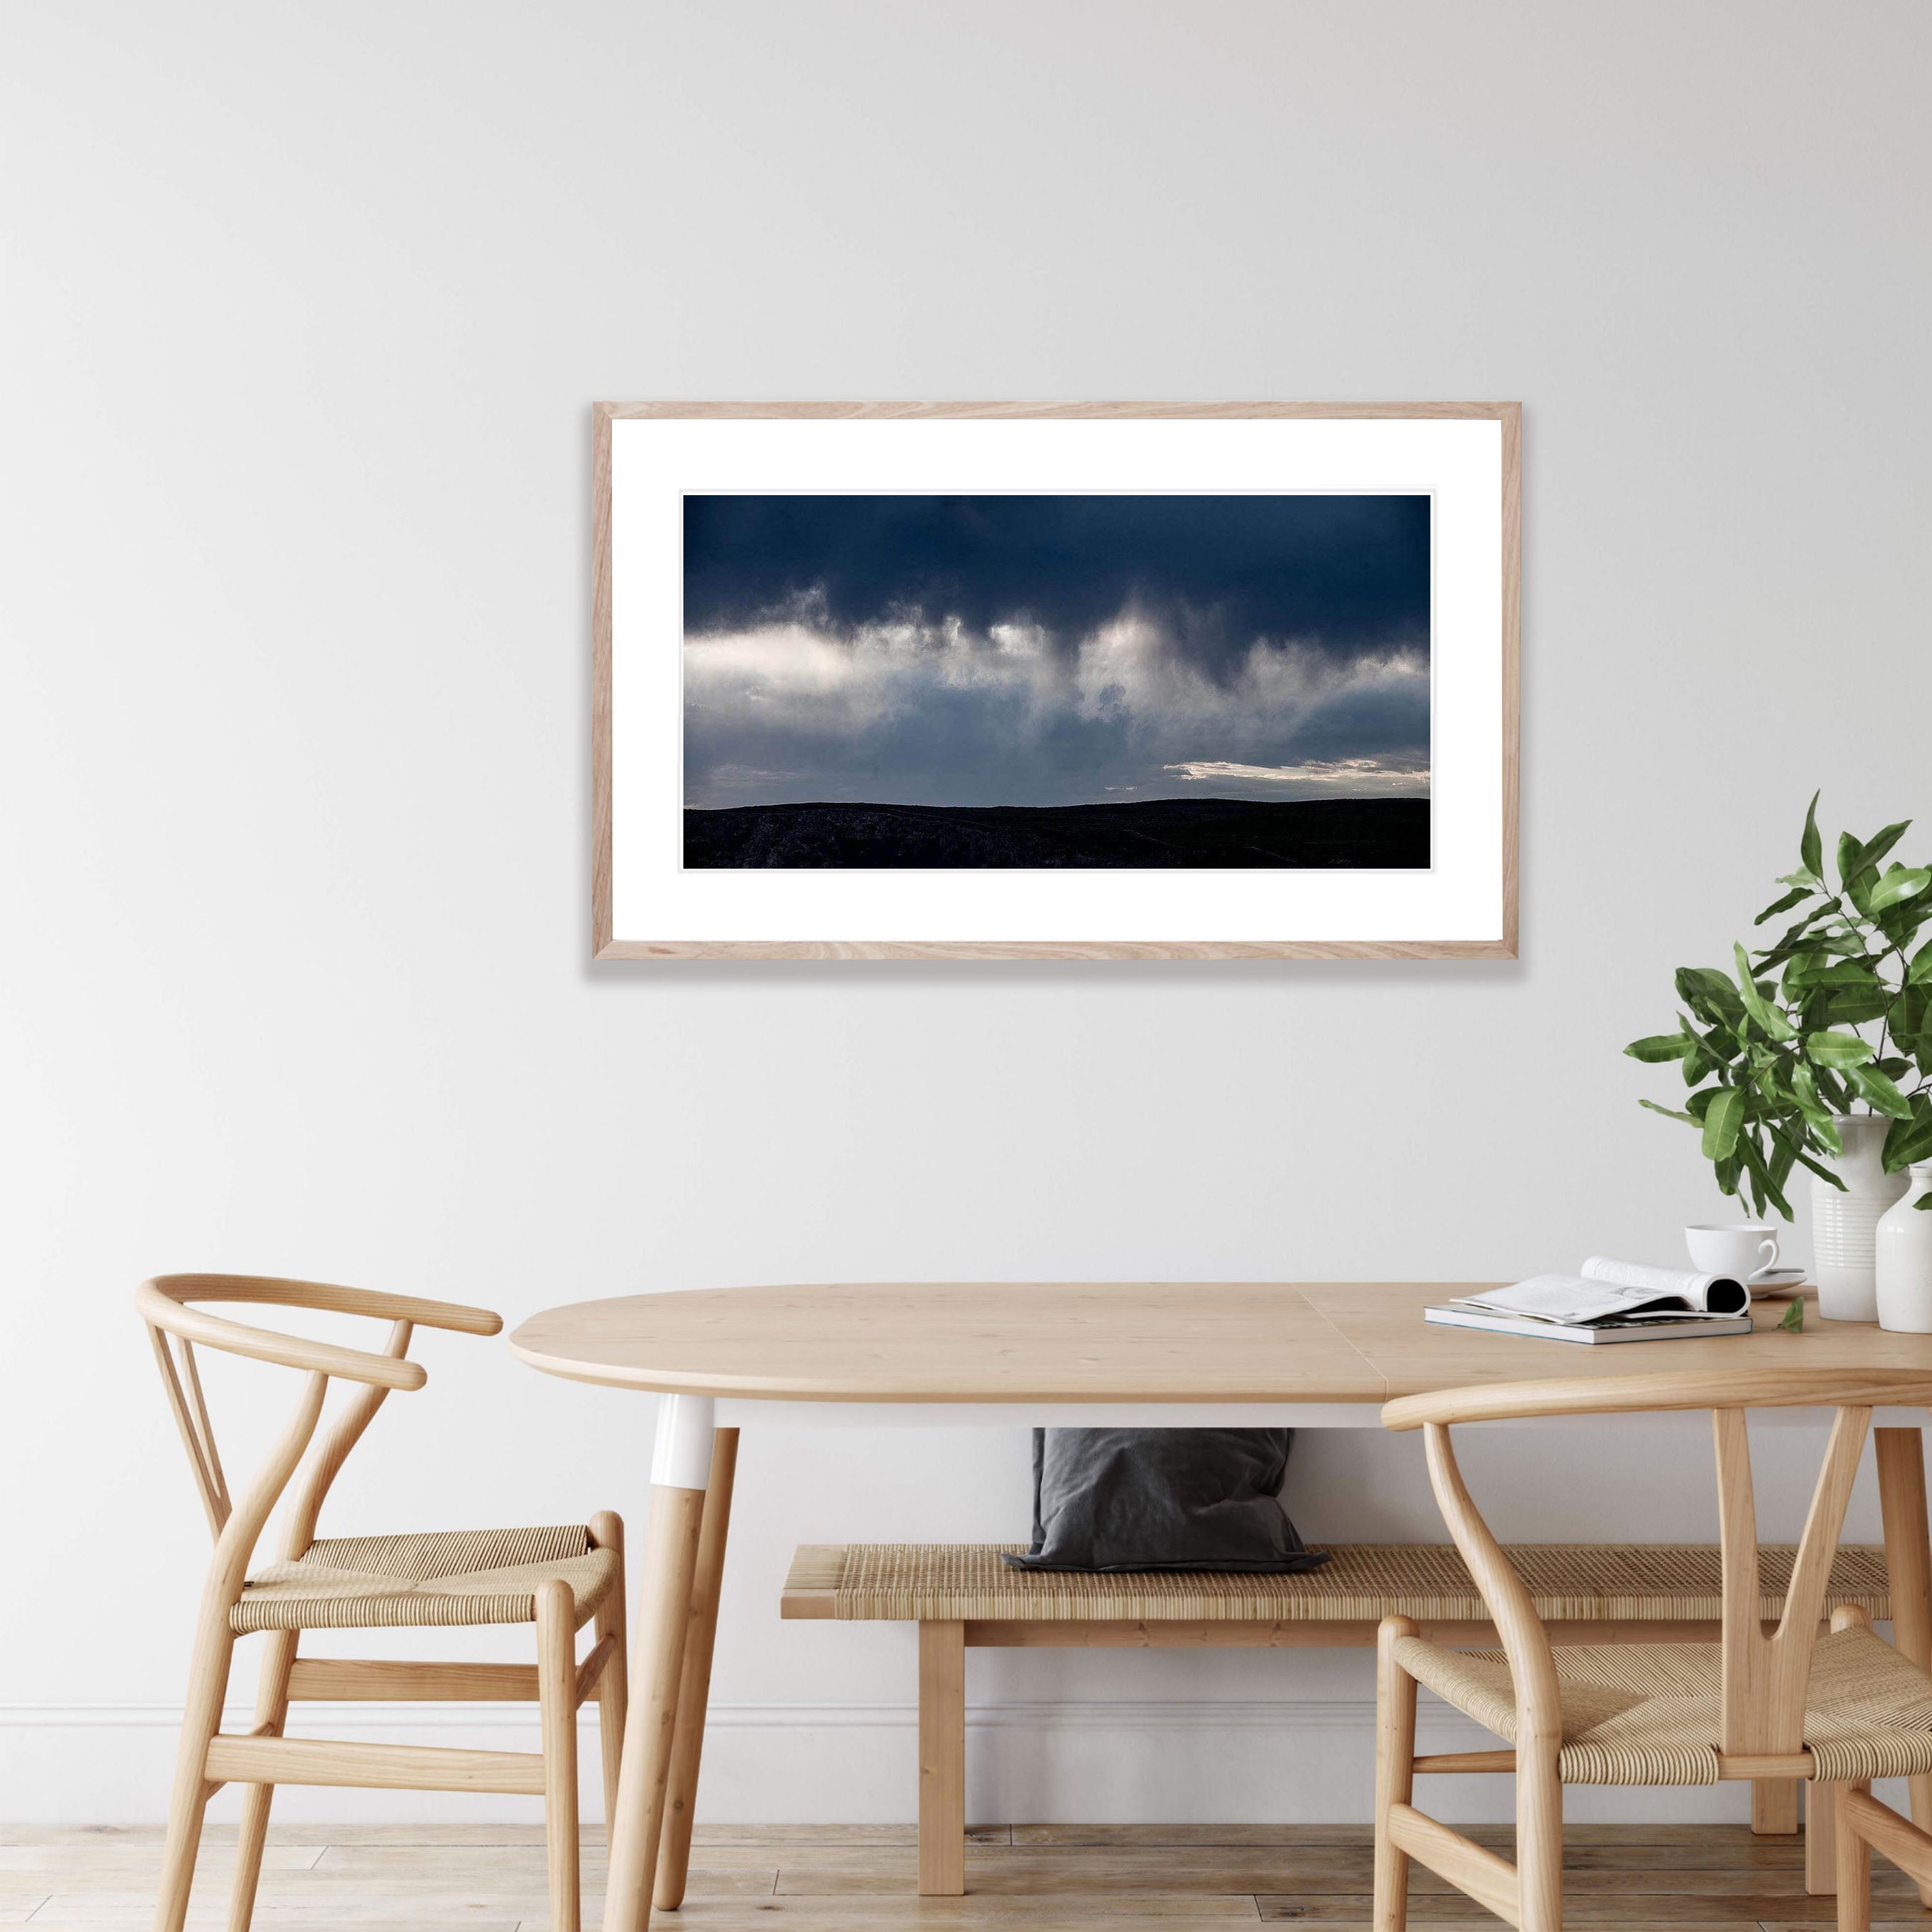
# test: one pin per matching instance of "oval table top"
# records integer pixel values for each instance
(1119, 1341)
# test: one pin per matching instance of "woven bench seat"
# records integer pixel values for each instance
(1663, 1595)
(1361, 1582)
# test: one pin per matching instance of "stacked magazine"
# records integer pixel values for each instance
(1608, 1301)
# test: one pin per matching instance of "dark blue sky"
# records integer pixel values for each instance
(1044, 650)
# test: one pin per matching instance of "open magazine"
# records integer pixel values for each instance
(1608, 1300)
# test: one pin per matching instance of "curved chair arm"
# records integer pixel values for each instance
(164, 1301)
(1701, 1388)
(331, 1296)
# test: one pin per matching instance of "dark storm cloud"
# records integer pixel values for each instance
(1037, 650)
(1334, 572)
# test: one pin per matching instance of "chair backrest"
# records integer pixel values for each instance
(175, 1325)
(1764, 1675)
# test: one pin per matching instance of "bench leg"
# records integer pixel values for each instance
(1774, 1805)
(942, 1760)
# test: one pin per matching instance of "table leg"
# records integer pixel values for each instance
(680, 1471)
(694, 1691)
(1908, 1560)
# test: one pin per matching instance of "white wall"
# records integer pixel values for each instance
(307, 308)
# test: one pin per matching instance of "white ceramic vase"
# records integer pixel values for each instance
(1904, 1257)
(1844, 1225)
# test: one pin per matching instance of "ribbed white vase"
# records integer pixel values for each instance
(1844, 1225)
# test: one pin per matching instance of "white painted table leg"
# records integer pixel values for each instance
(680, 1471)
(694, 1696)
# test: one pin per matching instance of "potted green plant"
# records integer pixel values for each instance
(1817, 1051)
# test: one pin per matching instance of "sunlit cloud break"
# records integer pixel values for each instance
(1361, 776)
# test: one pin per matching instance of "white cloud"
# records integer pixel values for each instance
(813, 679)
(1359, 775)
(1132, 672)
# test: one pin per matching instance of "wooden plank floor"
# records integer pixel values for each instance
(815, 1878)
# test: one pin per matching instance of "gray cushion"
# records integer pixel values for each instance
(1161, 1499)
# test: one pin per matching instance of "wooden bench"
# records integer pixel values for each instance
(962, 1596)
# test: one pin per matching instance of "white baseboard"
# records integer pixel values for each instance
(1200, 1762)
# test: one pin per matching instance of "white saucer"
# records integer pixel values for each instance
(1772, 1279)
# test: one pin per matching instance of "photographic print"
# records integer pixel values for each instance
(1147, 681)
(1100, 680)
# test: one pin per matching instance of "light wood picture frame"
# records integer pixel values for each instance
(659, 887)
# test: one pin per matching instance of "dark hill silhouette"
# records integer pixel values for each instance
(1169, 833)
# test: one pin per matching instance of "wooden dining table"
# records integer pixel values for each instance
(1170, 1355)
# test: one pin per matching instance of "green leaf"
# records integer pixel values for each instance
(1843, 973)
(1671, 1113)
(1772, 1022)
(1763, 1187)
(1810, 853)
(1798, 1153)
(1879, 1092)
(1874, 850)
(1833, 1092)
(1790, 899)
(1782, 1154)
(1921, 968)
(1910, 1140)
(1837, 1049)
(1853, 1010)
(1850, 858)
(1704, 1059)
(1900, 882)
(1794, 1316)
(1660, 1046)
(1710, 995)
(1723, 1119)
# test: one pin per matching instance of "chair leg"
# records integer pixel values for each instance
(272, 1711)
(556, 1697)
(1900, 1455)
(1539, 1837)
(942, 1760)
(1821, 1839)
(1395, 1773)
(614, 1690)
(1854, 1862)
(201, 1718)
(1774, 1805)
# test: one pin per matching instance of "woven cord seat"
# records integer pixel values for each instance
(1651, 1714)
(1361, 1582)
(436, 1580)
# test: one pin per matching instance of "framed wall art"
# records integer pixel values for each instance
(1022, 680)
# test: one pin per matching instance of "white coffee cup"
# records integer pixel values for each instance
(1742, 1250)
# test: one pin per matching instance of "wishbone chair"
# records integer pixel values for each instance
(557, 1579)
(1781, 1701)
